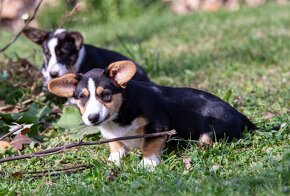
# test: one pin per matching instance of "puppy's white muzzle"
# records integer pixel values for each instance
(95, 112)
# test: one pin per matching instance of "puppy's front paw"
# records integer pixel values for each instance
(115, 158)
(150, 162)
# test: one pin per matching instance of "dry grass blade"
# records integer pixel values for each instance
(75, 9)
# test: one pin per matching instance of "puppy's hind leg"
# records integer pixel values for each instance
(205, 139)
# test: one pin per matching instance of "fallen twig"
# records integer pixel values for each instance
(76, 144)
(55, 172)
(26, 24)
(13, 131)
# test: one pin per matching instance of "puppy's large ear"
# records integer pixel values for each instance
(76, 37)
(38, 36)
(121, 72)
(64, 86)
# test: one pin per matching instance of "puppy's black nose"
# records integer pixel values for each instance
(53, 74)
(94, 118)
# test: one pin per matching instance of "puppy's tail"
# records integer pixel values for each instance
(277, 127)
(249, 125)
(252, 127)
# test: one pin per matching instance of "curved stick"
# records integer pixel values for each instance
(60, 149)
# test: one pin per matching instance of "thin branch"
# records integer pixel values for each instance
(12, 131)
(56, 172)
(60, 149)
(75, 9)
(26, 24)
(1, 8)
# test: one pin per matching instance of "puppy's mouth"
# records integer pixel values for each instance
(44, 87)
(100, 122)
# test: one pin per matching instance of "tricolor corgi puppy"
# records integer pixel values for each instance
(64, 52)
(120, 107)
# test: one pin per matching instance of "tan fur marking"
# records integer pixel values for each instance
(115, 104)
(116, 146)
(85, 92)
(99, 90)
(121, 72)
(141, 121)
(63, 86)
(139, 131)
(153, 146)
(71, 69)
(205, 139)
(82, 108)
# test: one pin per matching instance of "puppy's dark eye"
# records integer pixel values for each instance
(106, 96)
(47, 53)
(82, 96)
(58, 52)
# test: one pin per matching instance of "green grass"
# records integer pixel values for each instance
(243, 57)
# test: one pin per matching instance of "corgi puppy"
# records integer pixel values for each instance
(64, 52)
(120, 106)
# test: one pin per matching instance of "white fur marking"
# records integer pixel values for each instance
(81, 56)
(110, 129)
(58, 31)
(150, 162)
(93, 105)
(116, 156)
(53, 65)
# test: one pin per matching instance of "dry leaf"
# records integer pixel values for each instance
(187, 162)
(17, 175)
(10, 109)
(25, 128)
(112, 174)
(268, 115)
(4, 146)
(20, 140)
(239, 101)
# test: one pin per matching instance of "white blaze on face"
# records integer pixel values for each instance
(58, 31)
(94, 106)
(52, 65)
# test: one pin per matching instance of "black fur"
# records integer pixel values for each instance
(101, 58)
(68, 50)
(190, 112)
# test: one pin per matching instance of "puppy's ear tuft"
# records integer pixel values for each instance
(121, 72)
(38, 36)
(76, 37)
(64, 86)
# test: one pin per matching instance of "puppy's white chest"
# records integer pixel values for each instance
(112, 130)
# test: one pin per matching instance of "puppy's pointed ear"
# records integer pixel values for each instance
(38, 36)
(76, 37)
(121, 72)
(65, 85)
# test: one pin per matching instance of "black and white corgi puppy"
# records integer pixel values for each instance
(121, 107)
(64, 52)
